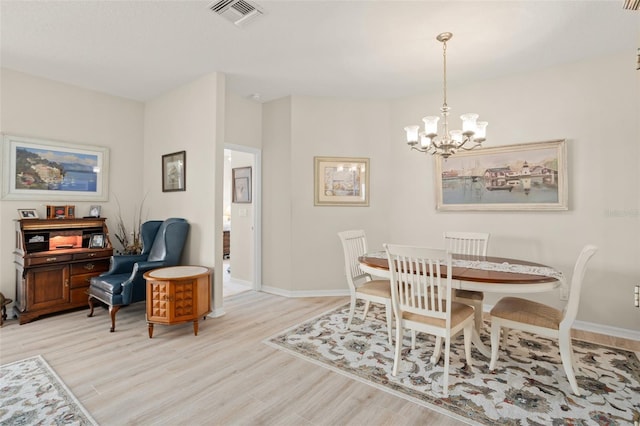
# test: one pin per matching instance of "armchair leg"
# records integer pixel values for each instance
(91, 302)
(112, 312)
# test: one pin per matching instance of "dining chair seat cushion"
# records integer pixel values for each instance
(469, 294)
(380, 288)
(459, 312)
(528, 312)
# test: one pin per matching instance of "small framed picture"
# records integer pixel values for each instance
(94, 211)
(96, 241)
(174, 172)
(27, 213)
(241, 191)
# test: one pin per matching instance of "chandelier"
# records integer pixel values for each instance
(471, 136)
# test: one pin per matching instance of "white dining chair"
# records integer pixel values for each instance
(421, 299)
(362, 285)
(474, 244)
(541, 319)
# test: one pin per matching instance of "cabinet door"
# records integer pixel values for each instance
(183, 301)
(47, 286)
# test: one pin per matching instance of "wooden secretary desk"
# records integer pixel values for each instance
(54, 264)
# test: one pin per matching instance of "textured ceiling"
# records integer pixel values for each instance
(355, 49)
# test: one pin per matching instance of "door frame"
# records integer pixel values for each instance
(257, 209)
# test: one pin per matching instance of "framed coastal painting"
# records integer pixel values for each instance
(530, 176)
(341, 181)
(38, 169)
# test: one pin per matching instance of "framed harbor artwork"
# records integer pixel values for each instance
(530, 176)
(38, 169)
(341, 181)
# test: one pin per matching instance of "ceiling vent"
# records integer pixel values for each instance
(240, 12)
(631, 4)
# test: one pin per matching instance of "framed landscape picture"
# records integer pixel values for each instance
(531, 176)
(37, 169)
(341, 181)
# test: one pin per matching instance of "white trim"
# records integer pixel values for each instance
(607, 330)
(592, 327)
(305, 293)
(257, 210)
(216, 313)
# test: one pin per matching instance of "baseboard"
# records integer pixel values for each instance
(607, 330)
(218, 312)
(310, 293)
(596, 328)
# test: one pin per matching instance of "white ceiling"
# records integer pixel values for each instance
(355, 49)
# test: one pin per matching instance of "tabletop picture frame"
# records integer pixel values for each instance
(241, 185)
(28, 213)
(97, 241)
(341, 181)
(174, 171)
(521, 177)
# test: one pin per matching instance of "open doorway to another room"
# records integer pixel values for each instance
(238, 222)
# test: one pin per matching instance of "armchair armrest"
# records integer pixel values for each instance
(144, 266)
(123, 264)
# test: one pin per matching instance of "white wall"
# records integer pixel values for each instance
(190, 118)
(40, 108)
(319, 127)
(277, 196)
(595, 105)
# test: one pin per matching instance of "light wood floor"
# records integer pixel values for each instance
(225, 375)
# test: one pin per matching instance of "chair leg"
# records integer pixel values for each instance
(436, 351)
(352, 308)
(445, 376)
(91, 303)
(113, 310)
(566, 354)
(389, 313)
(505, 336)
(495, 342)
(396, 358)
(468, 331)
(366, 309)
(413, 340)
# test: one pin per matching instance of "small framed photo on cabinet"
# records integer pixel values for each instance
(97, 241)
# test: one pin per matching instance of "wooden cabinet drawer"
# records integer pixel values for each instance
(45, 260)
(94, 254)
(82, 280)
(79, 296)
(91, 266)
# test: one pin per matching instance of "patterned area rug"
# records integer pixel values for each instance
(529, 386)
(31, 393)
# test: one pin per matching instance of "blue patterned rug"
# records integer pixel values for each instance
(529, 386)
(31, 393)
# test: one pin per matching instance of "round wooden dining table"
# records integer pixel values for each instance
(471, 273)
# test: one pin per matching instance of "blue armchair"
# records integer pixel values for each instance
(123, 283)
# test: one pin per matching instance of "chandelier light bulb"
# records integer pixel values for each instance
(412, 134)
(431, 125)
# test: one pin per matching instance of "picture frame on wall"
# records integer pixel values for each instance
(241, 185)
(174, 172)
(529, 176)
(47, 170)
(341, 181)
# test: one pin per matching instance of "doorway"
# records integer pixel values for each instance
(241, 220)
